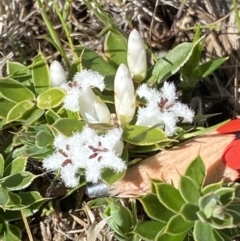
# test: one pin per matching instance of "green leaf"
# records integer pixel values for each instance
(143, 136)
(169, 196)
(170, 237)
(13, 233)
(14, 91)
(207, 68)
(155, 209)
(207, 203)
(33, 116)
(35, 152)
(50, 98)
(43, 139)
(1, 165)
(143, 149)
(188, 190)
(177, 225)
(226, 195)
(122, 217)
(51, 116)
(18, 181)
(14, 202)
(40, 74)
(189, 212)
(18, 165)
(68, 126)
(16, 68)
(19, 110)
(4, 198)
(196, 172)
(203, 232)
(148, 230)
(5, 107)
(171, 63)
(116, 48)
(235, 216)
(91, 60)
(2, 226)
(211, 188)
(30, 198)
(109, 176)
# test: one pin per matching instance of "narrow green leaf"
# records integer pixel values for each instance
(188, 190)
(148, 230)
(207, 68)
(13, 91)
(155, 209)
(40, 74)
(196, 172)
(116, 48)
(18, 165)
(50, 98)
(143, 136)
(1, 165)
(18, 181)
(68, 126)
(19, 110)
(169, 196)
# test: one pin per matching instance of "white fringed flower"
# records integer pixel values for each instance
(162, 108)
(136, 56)
(124, 95)
(57, 74)
(81, 98)
(86, 151)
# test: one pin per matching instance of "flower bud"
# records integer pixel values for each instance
(57, 74)
(92, 109)
(136, 56)
(124, 95)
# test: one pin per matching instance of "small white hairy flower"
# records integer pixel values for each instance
(162, 108)
(87, 151)
(80, 97)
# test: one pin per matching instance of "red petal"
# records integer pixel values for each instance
(231, 126)
(231, 155)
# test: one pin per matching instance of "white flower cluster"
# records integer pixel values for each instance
(92, 152)
(86, 150)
